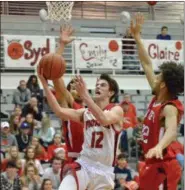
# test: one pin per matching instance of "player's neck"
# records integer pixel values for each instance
(102, 104)
(163, 97)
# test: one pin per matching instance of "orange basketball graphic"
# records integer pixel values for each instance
(15, 50)
(178, 45)
(113, 46)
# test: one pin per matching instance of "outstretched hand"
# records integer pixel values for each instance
(81, 87)
(136, 28)
(66, 32)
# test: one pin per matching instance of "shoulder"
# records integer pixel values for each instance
(170, 110)
(117, 109)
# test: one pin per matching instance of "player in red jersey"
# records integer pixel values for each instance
(161, 120)
(69, 98)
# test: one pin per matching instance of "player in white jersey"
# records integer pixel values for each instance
(102, 123)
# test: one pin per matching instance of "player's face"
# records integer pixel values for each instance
(73, 92)
(102, 90)
(157, 84)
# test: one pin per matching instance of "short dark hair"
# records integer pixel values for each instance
(113, 86)
(173, 76)
(56, 158)
(164, 27)
(122, 156)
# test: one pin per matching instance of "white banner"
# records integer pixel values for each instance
(26, 51)
(96, 53)
(161, 51)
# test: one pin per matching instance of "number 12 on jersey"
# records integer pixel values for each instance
(97, 137)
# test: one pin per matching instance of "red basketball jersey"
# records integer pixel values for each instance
(73, 134)
(152, 131)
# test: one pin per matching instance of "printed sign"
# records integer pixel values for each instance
(161, 51)
(26, 51)
(98, 53)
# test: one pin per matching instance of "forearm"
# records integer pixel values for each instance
(169, 136)
(63, 113)
(60, 49)
(143, 55)
(96, 110)
(62, 94)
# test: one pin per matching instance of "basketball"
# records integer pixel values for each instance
(53, 65)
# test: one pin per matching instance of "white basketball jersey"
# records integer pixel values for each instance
(100, 143)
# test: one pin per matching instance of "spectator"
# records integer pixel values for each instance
(30, 178)
(129, 111)
(7, 139)
(14, 125)
(128, 49)
(164, 34)
(34, 124)
(30, 158)
(24, 138)
(60, 153)
(40, 152)
(46, 185)
(56, 144)
(34, 87)
(32, 108)
(21, 95)
(13, 156)
(17, 112)
(122, 173)
(53, 173)
(10, 179)
(46, 133)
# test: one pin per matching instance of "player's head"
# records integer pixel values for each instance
(170, 79)
(71, 88)
(106, 87)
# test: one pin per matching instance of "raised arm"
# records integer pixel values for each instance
(114, 116)
(63, 113)
(62, 94)
(170, 113)
(143, 55)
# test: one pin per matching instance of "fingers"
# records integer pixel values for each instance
(154, 153)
